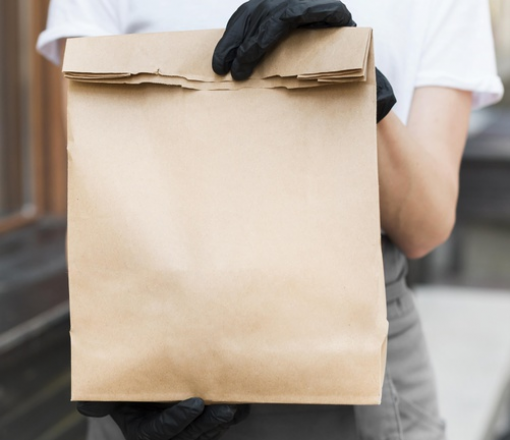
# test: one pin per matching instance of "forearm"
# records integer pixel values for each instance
(417, 193)
(418, 173)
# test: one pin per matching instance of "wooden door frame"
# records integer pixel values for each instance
(45, 125)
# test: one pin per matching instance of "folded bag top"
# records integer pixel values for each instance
(224, 237)
(184, 59)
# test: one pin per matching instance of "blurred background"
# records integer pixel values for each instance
(463, 287)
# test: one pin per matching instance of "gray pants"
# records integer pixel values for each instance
(409, 405)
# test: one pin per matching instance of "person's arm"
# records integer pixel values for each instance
(418, 163)
(419, 168)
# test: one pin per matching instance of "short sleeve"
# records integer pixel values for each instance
(458, 50)
(76, 18)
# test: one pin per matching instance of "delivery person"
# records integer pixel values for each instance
(438, 55)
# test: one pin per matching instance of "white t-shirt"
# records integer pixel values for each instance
(418, 43)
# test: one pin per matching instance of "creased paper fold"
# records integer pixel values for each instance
(309, 58)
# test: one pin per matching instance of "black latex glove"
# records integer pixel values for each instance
(186, 420)
(259, 25)
(385, 97)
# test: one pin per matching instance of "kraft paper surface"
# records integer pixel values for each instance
(224, 237)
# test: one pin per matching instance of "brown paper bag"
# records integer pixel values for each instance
(224, 236)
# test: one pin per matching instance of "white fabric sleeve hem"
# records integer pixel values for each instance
(486, 90)
(47, 43)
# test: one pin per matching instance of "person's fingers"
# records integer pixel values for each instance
(213, 417)
(242, 412)
(96, 409)
(258, 25)
(171, 421)
(226, 49)
(332, 13)
(260, 42)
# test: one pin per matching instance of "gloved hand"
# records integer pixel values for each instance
(259, 25)
(186, 420)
